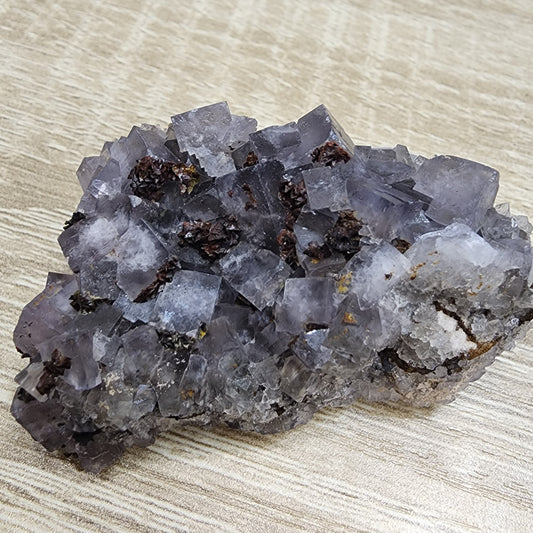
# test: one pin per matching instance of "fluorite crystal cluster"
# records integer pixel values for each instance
(223, 275)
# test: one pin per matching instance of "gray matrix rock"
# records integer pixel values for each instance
(223, 275)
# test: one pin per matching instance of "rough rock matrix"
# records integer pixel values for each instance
(223, 275)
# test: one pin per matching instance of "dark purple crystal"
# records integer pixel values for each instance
(222, 275)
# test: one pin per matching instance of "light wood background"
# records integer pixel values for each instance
(441, 77)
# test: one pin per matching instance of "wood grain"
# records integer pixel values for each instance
(441, 77)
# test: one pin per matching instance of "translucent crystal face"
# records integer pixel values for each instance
(222, 275)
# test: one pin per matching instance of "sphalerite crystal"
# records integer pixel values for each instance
(223, 275)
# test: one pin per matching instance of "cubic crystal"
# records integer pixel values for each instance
(222, 275)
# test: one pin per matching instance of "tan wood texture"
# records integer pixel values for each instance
(441, 77)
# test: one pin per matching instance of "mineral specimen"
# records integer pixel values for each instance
(222, 275)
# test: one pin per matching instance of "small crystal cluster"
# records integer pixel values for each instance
(223, 275)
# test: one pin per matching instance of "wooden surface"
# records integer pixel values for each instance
(441, 77)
